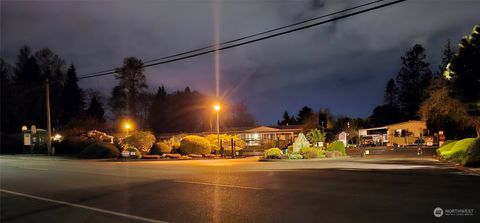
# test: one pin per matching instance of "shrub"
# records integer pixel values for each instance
(151, 157)
(195, 155)
(193, 144)
(472, 156)
(173, 156)
(273, 153)
(160, 148)
(295, 156)
(99, 150)
(134, 152)
(456, 150)
(73, 145)
(310, 152)
(337, 146)
(143, 141)
(226, 142)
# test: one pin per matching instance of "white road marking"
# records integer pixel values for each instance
(32, 168)
(220, 185)
(83, 206)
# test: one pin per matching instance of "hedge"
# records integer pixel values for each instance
(193, 144)
(160, 148)
(337, 146)
(465, 151)
(73, 145)
(143, 141)
(310, 152)
(273, 153)
(99, 150)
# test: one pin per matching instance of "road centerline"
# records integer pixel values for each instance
(219, 185)
(83, 206)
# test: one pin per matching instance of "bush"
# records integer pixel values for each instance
(273, 153)
(143, 141)
(310, 152)
(99, 150)
(193, 144)
(337, 146)
(136, 153)
(295, 156)
(290, 149)
(73, 145)
(455, 151)
(472, 156)
(173, 156)
(160, 148)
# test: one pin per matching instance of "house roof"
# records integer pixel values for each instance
(407, 122)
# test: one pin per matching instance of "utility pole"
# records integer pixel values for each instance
(49, 125)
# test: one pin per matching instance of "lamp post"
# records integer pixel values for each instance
(217, 108)
(127, 127)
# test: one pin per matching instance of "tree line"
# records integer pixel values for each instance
(448, 98)
(75, 110)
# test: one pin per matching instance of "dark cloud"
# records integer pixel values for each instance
(343, 66)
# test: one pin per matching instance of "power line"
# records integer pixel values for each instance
(246, 37)
(254, 40)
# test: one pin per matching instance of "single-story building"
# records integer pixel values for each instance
(256, 136)
(401, 134)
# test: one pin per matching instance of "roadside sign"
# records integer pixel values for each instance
(27, 139)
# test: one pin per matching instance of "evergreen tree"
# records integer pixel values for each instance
(157, 114)
(240, 116)
(447, 55)
(412, 81)
(304, 114)
(287, 120)
(133, 82)
(464, 74)
(73, 101)
(95, 110)
(52, 67)
(29, 92)
(390, 97)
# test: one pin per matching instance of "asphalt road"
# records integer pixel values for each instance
(42, 189)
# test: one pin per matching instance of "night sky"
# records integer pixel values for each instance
(342, 65)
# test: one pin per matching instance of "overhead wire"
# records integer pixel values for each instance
(170, 60)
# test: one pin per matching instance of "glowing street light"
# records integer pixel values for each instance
(127, 126)
(217, 108)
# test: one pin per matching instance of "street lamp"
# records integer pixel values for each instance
(217, 108)
(127, 127)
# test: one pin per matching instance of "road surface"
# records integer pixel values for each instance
(43, 189)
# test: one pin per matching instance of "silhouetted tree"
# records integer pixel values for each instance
(304, 114)
(240, 116)
(73, 98)
(447, 54)
(53, 68)
(132, 82)
(412, 81)
(95, 110)
(157, 115)
(464, 73)
(29, 92)
(287, 119)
